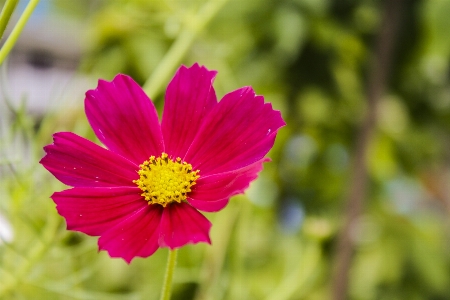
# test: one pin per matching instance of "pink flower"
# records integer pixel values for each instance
(144, 191)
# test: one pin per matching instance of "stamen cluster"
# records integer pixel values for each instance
(163, 180)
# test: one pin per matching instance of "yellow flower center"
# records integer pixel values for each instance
(164, 181)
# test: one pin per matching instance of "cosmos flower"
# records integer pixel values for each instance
(145, 190)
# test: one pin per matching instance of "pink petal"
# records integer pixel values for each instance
(124, 119)
(78, 162)
(239, 131)
(210, 205)
(211, 193)
(95, 210)
(182, 224)
(190, 96)
(137, 235)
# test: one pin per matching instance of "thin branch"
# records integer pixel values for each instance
(6, 14)
(376, 86)
(14, 36)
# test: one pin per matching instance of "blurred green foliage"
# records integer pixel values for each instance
(310, 58)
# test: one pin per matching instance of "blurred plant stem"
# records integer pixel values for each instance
(6, 14)
(14, 36)
(238, 289)
(168, 278)
(376, 86)
(165, 69)
(298, 282)
(224, 224)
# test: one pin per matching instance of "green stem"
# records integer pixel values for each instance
(167, 285)
(12, 39)
(6, 14)
(161, 75)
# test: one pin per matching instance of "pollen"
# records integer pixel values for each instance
(163, 180)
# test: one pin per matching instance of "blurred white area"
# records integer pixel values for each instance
(41, 71)
(6, 232)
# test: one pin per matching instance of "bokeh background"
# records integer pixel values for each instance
(356, 201)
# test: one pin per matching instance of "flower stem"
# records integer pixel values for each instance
(6, 14)
(180, 47)
(167, 285)
(12, 39)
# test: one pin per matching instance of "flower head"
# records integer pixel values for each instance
(146, 189)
